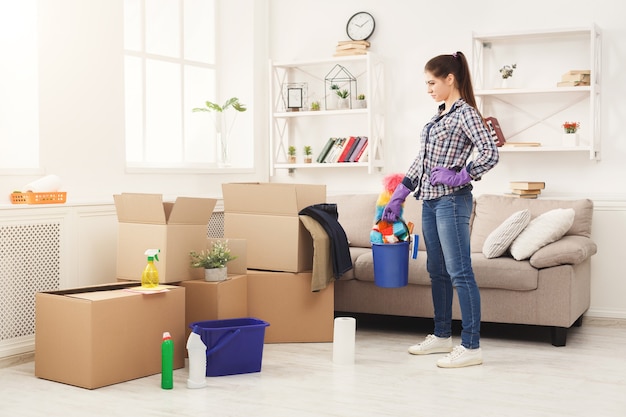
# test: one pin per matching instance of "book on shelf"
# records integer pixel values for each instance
(526, 192)
(351, 42)
(362, 155)
(346, 148)
(357, 149)
(521, 195)
(352, 142)
(335, 151)
(351, 51)
(576, 77)
(351, 45)
(576, 72)
(527, 185)
(496, 132)
(521, 144)
(572, 83)
(325, 149)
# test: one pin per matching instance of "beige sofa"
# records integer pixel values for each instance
(552, 288)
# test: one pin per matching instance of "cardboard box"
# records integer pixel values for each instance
(215, 300)
(96, 336)
(294, 312)
(266, 215)
(146, 222)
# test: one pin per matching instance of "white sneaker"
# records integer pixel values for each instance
(461, 357)
(432, 344)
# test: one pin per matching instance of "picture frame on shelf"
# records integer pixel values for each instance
(294, 96)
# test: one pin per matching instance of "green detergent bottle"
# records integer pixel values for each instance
(150, 275)
(167, 361)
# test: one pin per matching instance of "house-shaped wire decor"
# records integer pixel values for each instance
(340, 77)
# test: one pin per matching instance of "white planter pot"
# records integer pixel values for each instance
(570, 139)
(343, 103)
(360, 104)
(216, 274)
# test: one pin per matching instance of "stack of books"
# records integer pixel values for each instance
(351, 48)
(575, 78)
(351, 149)
(526, 189)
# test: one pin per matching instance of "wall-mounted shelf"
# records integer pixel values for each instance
(313, 128)
(534, 109)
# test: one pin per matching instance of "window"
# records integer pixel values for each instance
(170, 68)
(19, 86)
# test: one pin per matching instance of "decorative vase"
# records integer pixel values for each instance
(343, 103)
(215, 274)
(223, 150)
(570, 139)
(504, 83)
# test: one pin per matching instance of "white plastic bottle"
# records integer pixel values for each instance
(197, 361)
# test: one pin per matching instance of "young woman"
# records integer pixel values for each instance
(441, 176)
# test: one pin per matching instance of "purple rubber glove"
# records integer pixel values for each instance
(392, 210)
(441, 175)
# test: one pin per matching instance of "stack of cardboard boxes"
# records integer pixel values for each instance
(101, 335)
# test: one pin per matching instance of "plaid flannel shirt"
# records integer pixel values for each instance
(448, 141)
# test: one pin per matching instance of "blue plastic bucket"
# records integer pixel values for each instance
(233, 346)
(391, 264)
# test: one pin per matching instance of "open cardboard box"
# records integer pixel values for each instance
(266, 215)
(96, 336)
(146, 222)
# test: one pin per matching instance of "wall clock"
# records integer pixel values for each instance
(360, 26)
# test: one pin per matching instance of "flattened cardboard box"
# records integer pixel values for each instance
(146, 222)
(266, 215)
(295, 313)
(96, 336)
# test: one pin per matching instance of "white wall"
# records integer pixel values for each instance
(82, 115)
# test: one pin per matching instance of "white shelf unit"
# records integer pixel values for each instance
(314, 128)
(534, 108)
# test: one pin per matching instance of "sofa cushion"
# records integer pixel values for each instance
(567, 250)
(504, 273)
(545, 228)
(491, 210)
(501, 238)
(356, 216)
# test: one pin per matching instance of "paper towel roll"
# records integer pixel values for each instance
(49, 183)
(344, 336)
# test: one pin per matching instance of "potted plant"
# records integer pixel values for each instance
(506, 72)
(315, 105)
(222, 127)
(291, 151)
(360, 102)
(308, 154)
(332, 98)
(343, 99)
(213, 260)
(570, 133)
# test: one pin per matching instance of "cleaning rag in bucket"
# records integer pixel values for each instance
(385, 232)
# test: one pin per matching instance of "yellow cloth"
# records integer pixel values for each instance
(322, 273)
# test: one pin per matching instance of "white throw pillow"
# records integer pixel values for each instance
(545, 228)
(501, 238)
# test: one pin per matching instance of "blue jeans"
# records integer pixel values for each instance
(445, 226)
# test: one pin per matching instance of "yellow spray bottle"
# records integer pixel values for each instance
(150, 275)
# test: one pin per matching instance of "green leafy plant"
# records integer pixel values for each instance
(217, 109)
(291, 151)
(215, 257)
(507, 71)
(308, 151)
(334, 87)
(343, 93)
(315, 105)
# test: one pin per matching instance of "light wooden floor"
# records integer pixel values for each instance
(523, 375)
